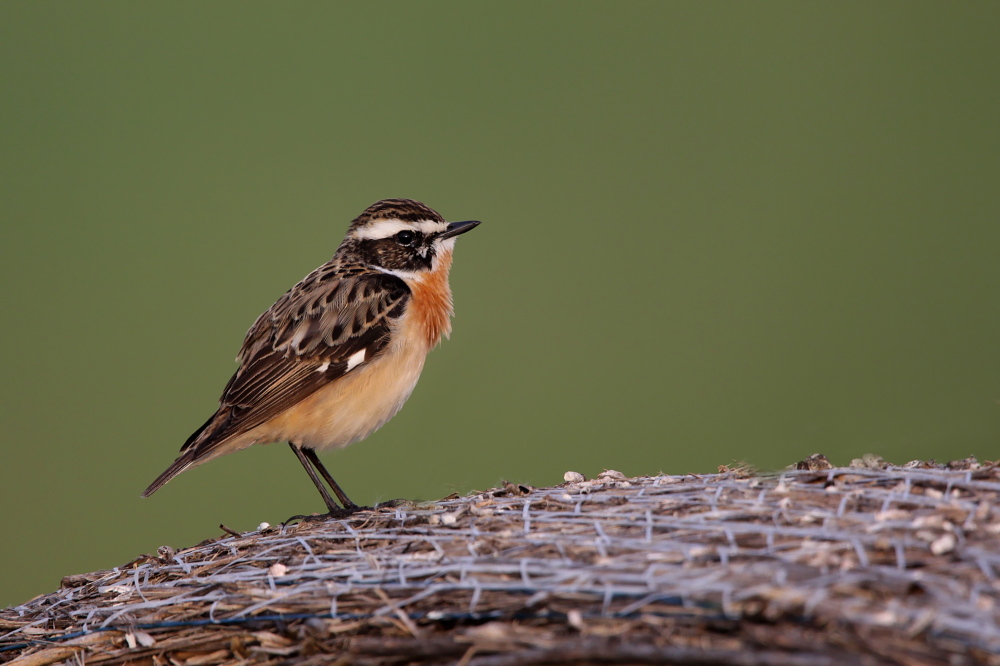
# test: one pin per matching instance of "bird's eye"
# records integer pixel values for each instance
(405, 237)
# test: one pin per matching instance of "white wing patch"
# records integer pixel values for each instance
(386, 228)
(355, 360)
(323, 367)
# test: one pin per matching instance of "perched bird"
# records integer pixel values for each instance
(337, 356)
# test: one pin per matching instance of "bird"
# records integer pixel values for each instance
(339, 353)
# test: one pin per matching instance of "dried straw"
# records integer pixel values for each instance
(866, 564)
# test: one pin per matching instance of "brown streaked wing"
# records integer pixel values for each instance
(311, 326)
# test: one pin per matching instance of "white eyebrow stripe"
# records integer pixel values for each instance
(386, 228)
(356, 359)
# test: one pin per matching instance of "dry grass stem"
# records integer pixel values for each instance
(817, 565)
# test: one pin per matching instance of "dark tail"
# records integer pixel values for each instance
(185, 460)
(189, 455)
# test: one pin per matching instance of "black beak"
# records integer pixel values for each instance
(456, 228)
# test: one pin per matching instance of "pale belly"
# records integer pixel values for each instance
(359, 403)
(351, 408)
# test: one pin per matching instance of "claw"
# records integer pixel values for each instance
(337, 514)
(392, 504)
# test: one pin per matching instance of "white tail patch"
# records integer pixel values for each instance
(356, 360)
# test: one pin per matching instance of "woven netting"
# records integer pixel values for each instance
(866, 564)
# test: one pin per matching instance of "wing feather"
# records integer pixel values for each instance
(302, 343)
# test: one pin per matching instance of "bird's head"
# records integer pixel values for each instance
(403, 237)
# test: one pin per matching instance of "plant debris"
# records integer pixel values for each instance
(872, 563)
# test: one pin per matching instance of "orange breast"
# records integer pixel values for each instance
(431, 306)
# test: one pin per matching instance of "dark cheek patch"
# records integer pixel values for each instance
(389, 254)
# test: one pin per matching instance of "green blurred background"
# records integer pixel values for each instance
(713, 232)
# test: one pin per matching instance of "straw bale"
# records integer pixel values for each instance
(868, 564)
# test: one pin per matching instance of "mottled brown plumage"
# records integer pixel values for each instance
(339, 353)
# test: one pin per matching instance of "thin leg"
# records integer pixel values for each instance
(304, 459)
(341, 495)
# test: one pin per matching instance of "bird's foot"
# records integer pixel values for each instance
(393, 503)
(335, 513)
